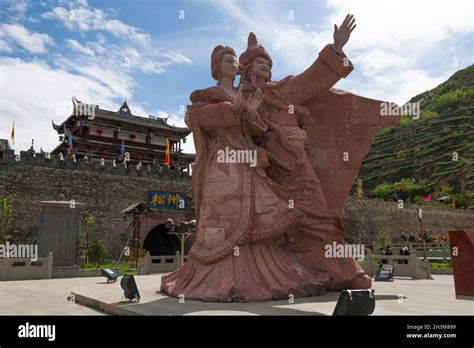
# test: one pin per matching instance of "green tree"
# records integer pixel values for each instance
(383, 191)
(97, 251)
(381, 241)
(6, 218)
(88, 222)
(459, 200)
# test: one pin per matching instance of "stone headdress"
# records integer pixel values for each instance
(254, 50)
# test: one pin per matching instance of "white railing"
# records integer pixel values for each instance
(159, 264)
(25, 268)
(433, 250)
(415, 268)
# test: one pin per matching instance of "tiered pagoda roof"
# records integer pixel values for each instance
(124, 116)
(100, 133)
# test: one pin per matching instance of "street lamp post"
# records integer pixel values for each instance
(420, 218)
(425, 259)
(183, 232)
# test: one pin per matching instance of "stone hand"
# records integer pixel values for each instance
(342, 33)
(255, 100)
(237, 104)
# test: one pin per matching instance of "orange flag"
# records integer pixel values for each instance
(13, 133)
(167, 153)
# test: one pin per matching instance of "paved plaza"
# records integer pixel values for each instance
(43, 297)
(93, 296)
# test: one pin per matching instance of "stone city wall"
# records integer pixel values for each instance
(365, 218)
(107, 191)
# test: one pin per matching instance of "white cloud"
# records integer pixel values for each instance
(32, 42)
(20, 7)
(398, 87)
(390, 46)
(404, 23)
(36, 89)
(176, 57)
(95, 67)
(79, 48)
(373, 61)
(5, 47)
(33, 94)
(84, 19)
(101, 71)
(293, 46)
(16, 10)
(133, 51)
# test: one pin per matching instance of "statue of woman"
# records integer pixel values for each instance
(239, 253)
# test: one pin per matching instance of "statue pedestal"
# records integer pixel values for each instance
(462, 258)
(58, 222)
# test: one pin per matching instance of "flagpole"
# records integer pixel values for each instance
(13, 133)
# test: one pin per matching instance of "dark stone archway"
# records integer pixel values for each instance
(160, 243)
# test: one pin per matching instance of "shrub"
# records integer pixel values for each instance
(97, 251)
(404, 189)
(401, 154)
(383, 191)
(6, 212)
(404, 120)
(428, 114)
(459, 200)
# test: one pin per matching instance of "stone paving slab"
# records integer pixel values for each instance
(419, 297)
(49, 297)
(43, 297)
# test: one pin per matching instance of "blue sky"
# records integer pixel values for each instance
(155, 53)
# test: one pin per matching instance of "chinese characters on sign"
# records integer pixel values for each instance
(166, 200)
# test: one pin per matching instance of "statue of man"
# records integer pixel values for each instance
(310, 125)
(284, 111)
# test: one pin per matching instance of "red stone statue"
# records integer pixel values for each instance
(263, 225)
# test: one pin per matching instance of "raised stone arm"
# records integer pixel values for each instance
(331, 65)
(343, 33)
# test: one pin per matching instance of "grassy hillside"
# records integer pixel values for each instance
(432, 154)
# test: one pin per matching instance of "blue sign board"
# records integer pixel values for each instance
(158, 200)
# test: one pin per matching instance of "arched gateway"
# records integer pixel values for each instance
(154, 237)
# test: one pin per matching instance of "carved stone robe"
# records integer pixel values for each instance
(312, 129)
(242, 217)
